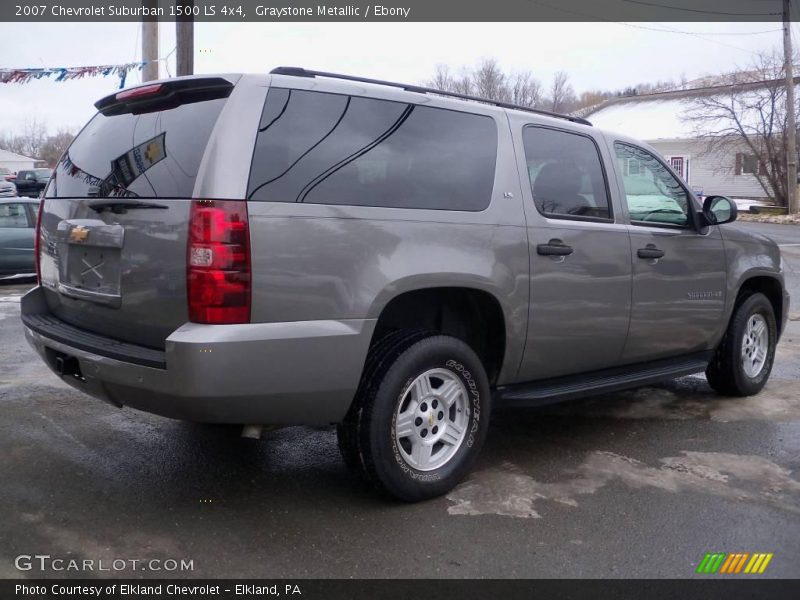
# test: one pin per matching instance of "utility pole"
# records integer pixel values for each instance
(791, 137)
(184, 38)
(150, 43)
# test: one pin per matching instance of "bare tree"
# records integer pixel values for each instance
(442, 79)
(464, 84)
(29, 142)
(747, 115)
(489, 81)
(54, 146)
(525, 90)
(562, 95)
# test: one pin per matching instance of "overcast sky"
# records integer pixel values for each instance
(596, 55)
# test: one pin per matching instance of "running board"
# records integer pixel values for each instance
(558, 389)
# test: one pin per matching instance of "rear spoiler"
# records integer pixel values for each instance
(163, 95)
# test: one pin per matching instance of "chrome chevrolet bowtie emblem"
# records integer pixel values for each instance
(78, 234)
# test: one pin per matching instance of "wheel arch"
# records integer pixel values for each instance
(760, 282)
(471, 314)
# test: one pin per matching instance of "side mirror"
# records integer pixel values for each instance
(718, 210)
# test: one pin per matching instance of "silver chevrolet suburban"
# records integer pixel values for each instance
(303, 247)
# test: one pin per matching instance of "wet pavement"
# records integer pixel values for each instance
(634, 484)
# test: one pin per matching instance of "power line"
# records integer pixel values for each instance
(730, 32)
(671, 30)
(700, 11)
(636, 26)
(697, 35)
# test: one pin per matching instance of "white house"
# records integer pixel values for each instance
(658, 120)
(16, 162)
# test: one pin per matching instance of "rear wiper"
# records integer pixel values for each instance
(120, 207)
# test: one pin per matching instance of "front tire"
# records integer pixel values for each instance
(743, 361)
(420, 416)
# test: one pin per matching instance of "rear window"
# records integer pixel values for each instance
(336, 149)
(155, 154)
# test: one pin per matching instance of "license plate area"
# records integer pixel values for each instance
(89, 268)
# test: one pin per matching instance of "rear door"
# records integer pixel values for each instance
(679, 273)
(115, 215)
(580, 283)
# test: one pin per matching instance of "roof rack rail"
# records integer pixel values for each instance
(300, 72)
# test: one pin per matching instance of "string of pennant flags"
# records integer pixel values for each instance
(59, 74)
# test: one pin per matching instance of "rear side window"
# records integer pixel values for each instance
(13, 215)
(155, 154)
(566, 175)
(336, 149)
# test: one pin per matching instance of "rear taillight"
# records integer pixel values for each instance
(218, 262)
(37, 242)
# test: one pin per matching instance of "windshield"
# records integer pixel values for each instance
(42, 173)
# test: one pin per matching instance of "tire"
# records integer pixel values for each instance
(382, 350)
(420, 416)
(736, 369)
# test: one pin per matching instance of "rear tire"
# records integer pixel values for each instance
(383, 350)
(420, 416)
(743, 361)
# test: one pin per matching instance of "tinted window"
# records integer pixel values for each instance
(147, 155)
(565, 173)
(653, 194)
(13, 215)
(336, 149)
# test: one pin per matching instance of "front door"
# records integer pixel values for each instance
(580, 283)
(678, 272)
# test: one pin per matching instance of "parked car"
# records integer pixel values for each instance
(7, 189)
(309, 248)
(17, 221)
(7, 175)
(31, 183)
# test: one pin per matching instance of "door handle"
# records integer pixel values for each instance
(649, 252)
(554, 248)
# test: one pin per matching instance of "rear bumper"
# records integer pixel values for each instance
(303, 372)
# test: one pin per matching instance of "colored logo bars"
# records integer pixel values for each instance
(739, 562)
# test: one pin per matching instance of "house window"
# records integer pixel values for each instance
(749, 164)
(676, 162)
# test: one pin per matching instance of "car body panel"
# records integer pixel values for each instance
(32, 182)
(579, 304)
(323, 274)
(7, 189)
(16, 243)
(259, 373)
